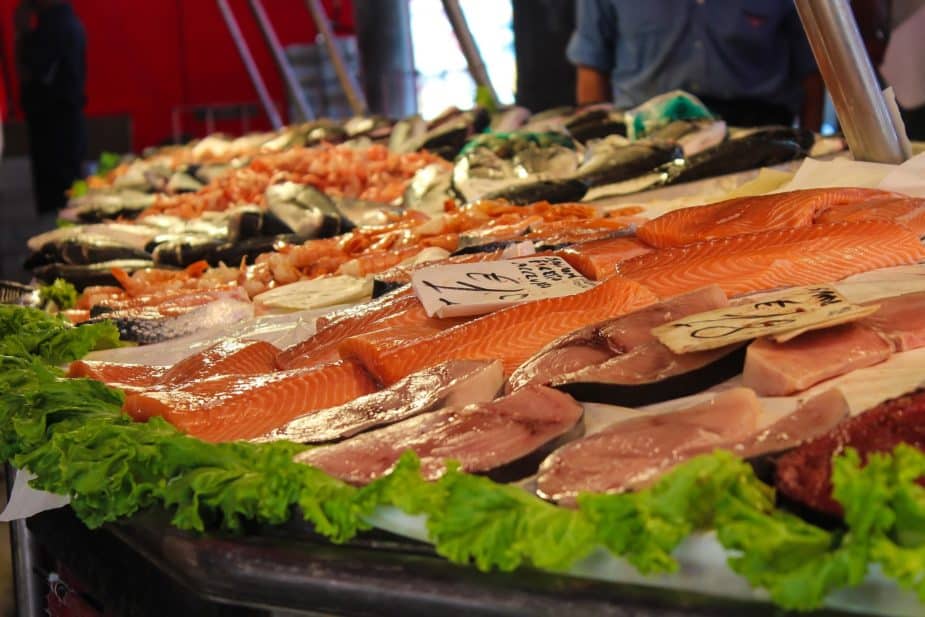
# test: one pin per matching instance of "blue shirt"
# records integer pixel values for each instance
(727, 49)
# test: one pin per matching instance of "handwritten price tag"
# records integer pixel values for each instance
(475, 289)
(785, 315)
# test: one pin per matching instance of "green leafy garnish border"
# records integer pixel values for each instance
(72, 435)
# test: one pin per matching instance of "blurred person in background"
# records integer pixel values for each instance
(747, 60)
(51, 50)
(902, 59)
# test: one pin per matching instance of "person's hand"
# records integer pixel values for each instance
(23, 16)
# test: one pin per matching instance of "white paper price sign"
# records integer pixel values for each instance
(784, 315)
(475, 289)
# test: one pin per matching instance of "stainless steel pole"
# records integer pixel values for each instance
(354, 96)
(30, 598)
(232, 24)
(266, 26)
(469, 48)
(850, 79)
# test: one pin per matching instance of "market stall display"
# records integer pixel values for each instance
(605, 385)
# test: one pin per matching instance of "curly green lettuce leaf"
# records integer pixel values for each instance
(503, 526)
(28, 332)
(646, 526)
(404, 488)
(62, 293)
(901, 553)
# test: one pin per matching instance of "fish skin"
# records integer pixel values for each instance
(233, 407)
(598, 259)
(779, 258)
(744, 215)
(599, 342)
(481, 437)
(148, 325)
(631, 454)
(450, 384)
(511, 334)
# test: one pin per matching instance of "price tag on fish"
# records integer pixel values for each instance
(784, 315)
(461, 290)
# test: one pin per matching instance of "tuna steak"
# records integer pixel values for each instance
(630, 455)
(482, 437)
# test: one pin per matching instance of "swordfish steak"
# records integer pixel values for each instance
(483, 437)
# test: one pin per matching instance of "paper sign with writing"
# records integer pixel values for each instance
(475, 289)
(792, 311)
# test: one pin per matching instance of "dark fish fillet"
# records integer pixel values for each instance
(805, 474)
(631, 454)
(482, 437)
(454, 383)
(603, 341)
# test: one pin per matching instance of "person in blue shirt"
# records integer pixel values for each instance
(747, 60)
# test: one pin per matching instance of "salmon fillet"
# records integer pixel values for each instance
(227, 357)
(126, 377)
(406, 311)
(232, 407)
(598, 259)
(335, 327)
(512, 334)
(908, 211)
(745, 215)
(780, 258)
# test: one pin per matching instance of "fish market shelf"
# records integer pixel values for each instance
(287, 569)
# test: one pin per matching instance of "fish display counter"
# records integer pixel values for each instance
(489, 364)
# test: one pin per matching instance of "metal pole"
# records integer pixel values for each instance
(469, 48)
(354, 96)
(30, 599)
(232, 24)
(263, 20)
(849, 77)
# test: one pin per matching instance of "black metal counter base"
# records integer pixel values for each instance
(145, 567)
